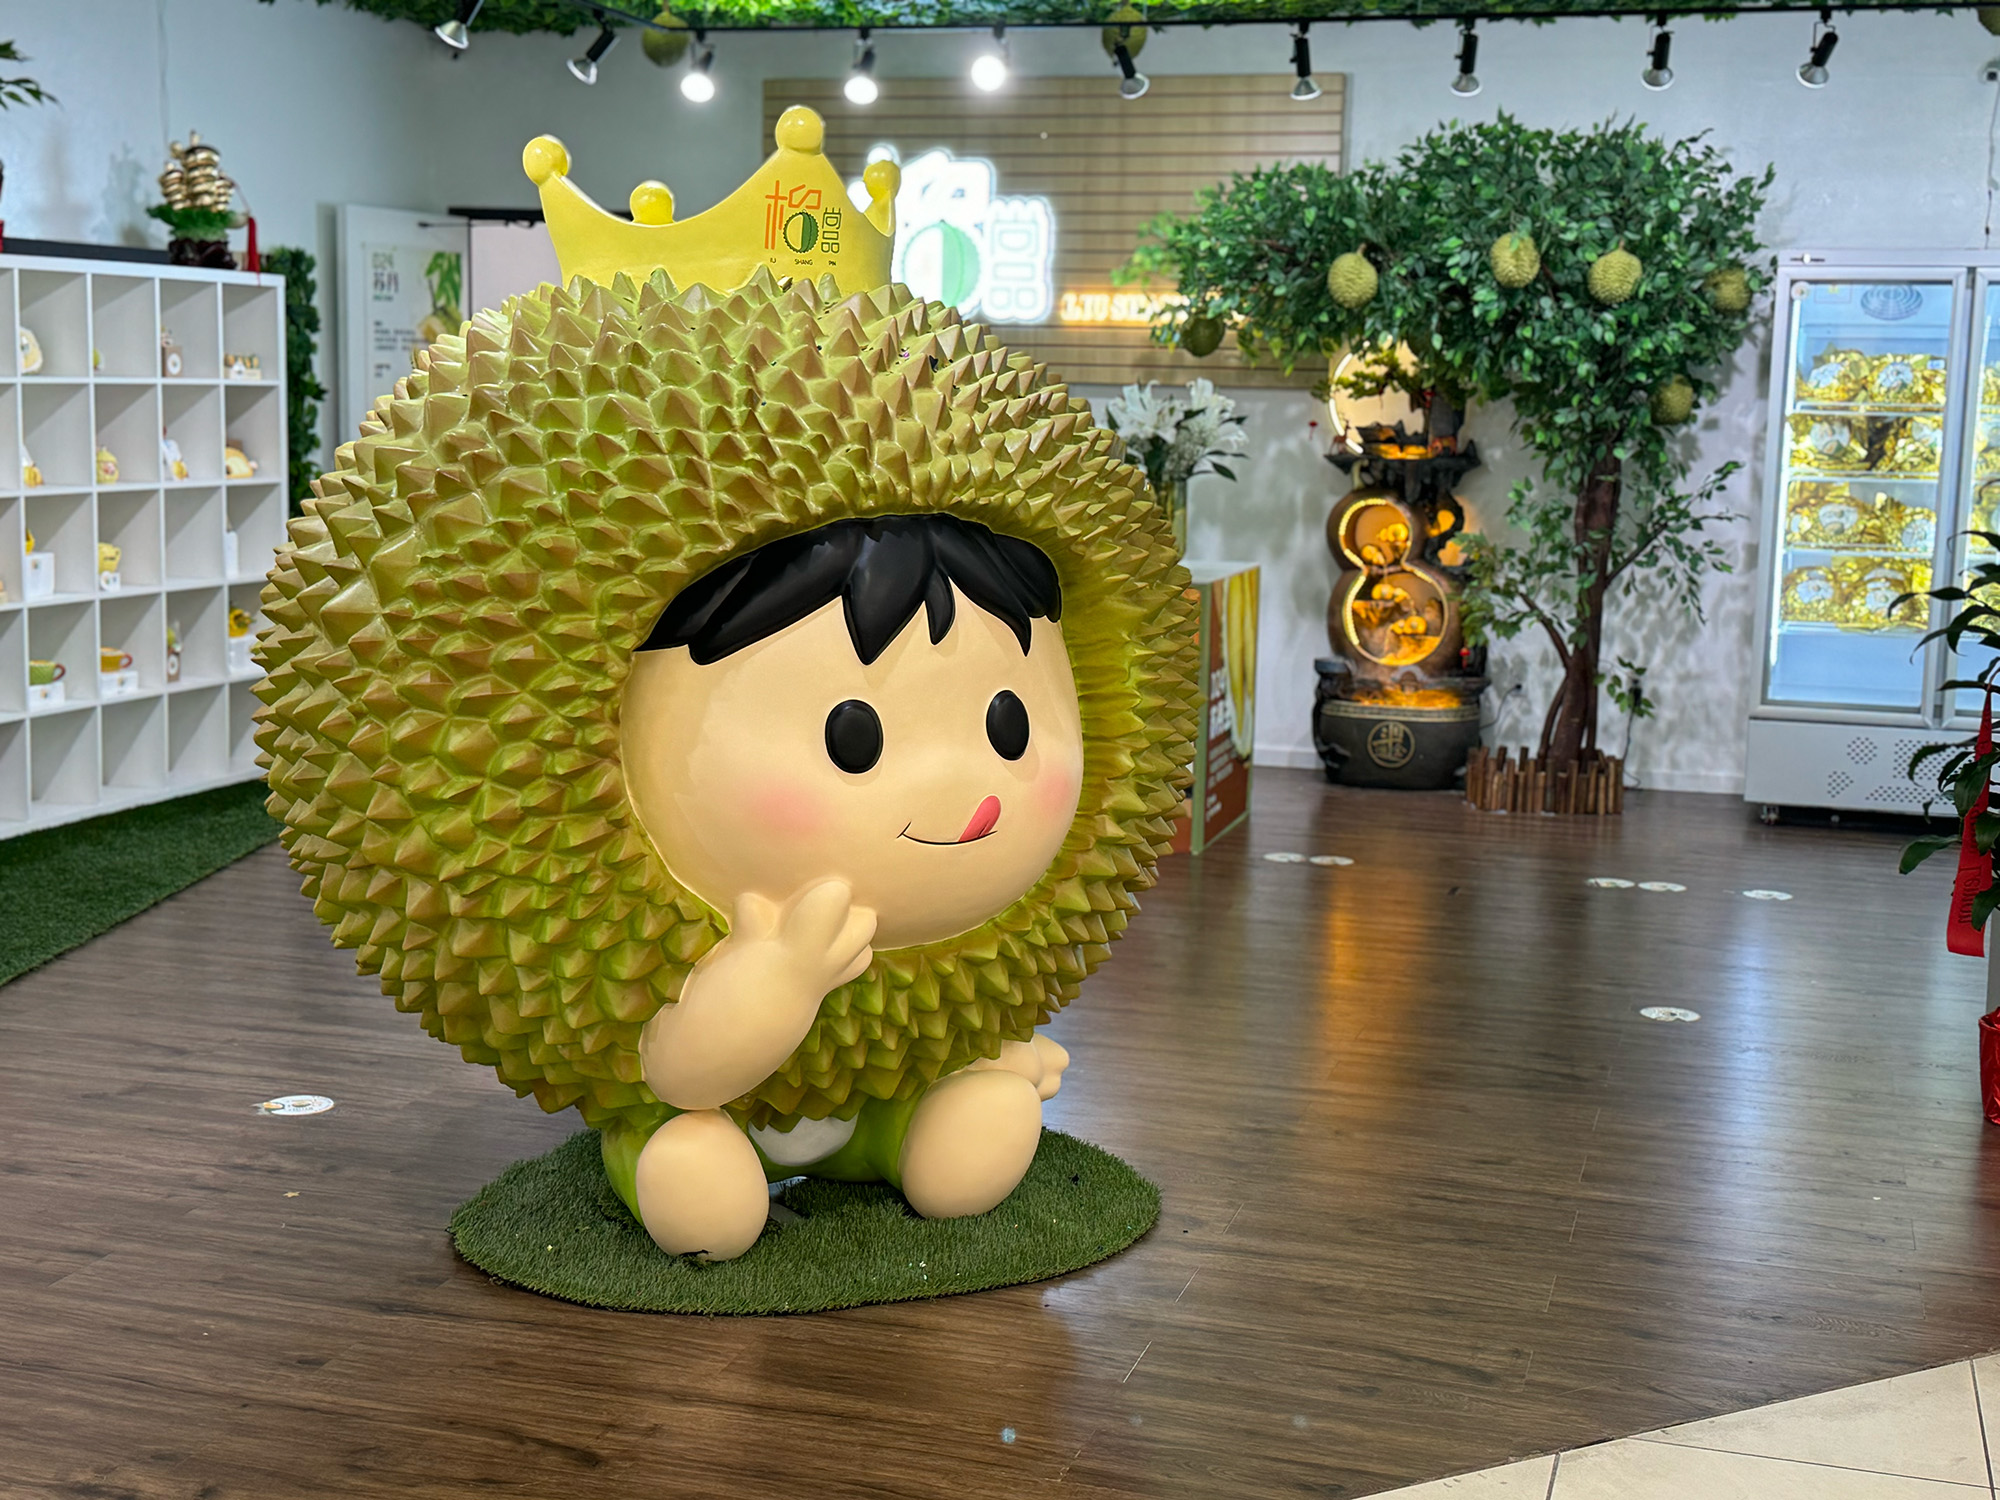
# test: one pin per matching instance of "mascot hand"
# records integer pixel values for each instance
(750, 1002)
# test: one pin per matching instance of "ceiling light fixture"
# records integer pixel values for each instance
(1134, 84)
(861, 87)
(989, 69)
(1658, 74)
(697, 86)
(456, 33)
(1305, 90)
(1812, 72)
(1467, 82)
(584, 68)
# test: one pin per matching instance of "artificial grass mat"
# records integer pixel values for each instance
(554, 1225)
(63, 886)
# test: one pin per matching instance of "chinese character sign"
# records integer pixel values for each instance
(961, 243)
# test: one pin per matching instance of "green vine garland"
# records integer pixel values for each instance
(564, 18)
(303, 392)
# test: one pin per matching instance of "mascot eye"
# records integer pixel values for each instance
(854, 736)
(1007, 725)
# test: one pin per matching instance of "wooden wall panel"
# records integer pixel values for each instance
(1106, 166)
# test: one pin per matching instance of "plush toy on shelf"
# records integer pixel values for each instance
(753, 728)
(31, 475)
(173, 664)
(109, 557)
(107, 466)
(31, 351)
(236, 464)
(171, 462)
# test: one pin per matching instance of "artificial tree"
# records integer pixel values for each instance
(1598, 280)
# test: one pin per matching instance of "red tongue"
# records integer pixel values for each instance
(983, 821)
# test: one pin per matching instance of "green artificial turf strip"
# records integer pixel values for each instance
(63, 886)
(554, 1225)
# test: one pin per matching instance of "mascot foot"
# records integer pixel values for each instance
(1039, 1060)
(701, 1189)
(970, 1142)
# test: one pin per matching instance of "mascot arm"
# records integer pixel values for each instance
(750, 1002)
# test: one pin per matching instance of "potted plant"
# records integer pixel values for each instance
(1174, 437)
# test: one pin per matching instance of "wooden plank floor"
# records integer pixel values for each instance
(1435, 1195)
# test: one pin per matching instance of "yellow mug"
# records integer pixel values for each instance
(109, 660)
(108, 557)
(239, 622)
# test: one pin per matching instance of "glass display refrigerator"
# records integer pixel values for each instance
(1883, 450)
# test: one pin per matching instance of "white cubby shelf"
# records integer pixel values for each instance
(189, 550)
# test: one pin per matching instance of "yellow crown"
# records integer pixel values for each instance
(792, 216)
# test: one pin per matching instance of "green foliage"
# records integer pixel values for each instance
(564, 17)
(1957, 770)
(303, 392)
(1581, 375)
(195, 223)
(1657, 545)
(20, 91)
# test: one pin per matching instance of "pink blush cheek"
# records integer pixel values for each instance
(1055, 791)
(786, 810)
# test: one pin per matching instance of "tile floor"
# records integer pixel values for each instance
(1915, 1437)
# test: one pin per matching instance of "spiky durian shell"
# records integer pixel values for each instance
(455, 615)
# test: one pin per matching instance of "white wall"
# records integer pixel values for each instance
(316, 106)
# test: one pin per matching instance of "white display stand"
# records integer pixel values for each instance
(114, 740)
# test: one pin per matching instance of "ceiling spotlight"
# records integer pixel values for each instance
(861, 87)
(697, 87)
(1467, 82)
(989, 69)
(1134, 83)
(1305, 90)
(1658, 75)
(454, 33)
(1812, 72)
(584, 68)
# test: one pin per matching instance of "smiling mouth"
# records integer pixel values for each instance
(985, 819)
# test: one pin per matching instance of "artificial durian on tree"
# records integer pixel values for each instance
(1728, 290)
(1673, 403)
(452, 650)
(1352, 280)
(1515, 260)
(1201, 336)
(1655, 279)
(1614, 277)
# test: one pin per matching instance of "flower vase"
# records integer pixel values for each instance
(1989, 1065)
(1173, 500)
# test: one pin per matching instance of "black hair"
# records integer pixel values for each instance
(881, 569)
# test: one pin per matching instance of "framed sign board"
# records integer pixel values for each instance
(1017, 206)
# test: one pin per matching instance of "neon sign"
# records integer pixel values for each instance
(961, 243)
(1114, 307)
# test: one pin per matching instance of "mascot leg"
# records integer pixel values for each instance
(700, 1187)
(974, 1133)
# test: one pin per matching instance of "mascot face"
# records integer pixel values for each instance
(937, 780)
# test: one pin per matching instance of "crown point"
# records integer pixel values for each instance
(799, 129)
(652, 203)
(882, 178)
(543, 158)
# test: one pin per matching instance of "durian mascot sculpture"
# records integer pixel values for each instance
(732, 697)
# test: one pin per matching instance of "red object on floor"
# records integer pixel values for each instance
(1989, 1065)
(1975, 869)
